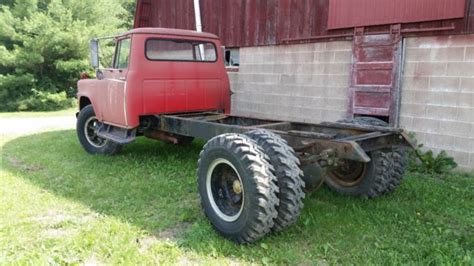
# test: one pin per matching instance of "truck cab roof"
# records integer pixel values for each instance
(171, 32)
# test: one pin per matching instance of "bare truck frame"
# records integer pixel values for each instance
(253, 174)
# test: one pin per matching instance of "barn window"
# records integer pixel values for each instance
(232, 57)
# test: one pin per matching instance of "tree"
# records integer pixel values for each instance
(44, 46)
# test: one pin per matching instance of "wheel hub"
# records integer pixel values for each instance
(237, 187)
(91, 128)
(225, 190)
(348, 173)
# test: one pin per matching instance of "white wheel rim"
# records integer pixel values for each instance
(210, 195)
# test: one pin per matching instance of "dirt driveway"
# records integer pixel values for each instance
(29, 125)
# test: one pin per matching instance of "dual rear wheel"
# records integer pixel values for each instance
(249, 185)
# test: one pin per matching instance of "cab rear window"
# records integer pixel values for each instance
(180, 50)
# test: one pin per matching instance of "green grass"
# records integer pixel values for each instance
(65, 112)
(61, 205)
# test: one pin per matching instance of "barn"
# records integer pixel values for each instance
(408, 62)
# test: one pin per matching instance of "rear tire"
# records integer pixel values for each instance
(366, 180)
(288, 173)
(237, 188)
(396, 157)
(86, 128)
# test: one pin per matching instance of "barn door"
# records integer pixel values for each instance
(375, 81)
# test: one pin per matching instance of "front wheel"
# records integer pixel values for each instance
(86, 127)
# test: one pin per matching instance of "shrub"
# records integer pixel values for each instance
(46, 101)
(427, 162)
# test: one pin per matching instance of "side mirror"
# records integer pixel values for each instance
(94, 53)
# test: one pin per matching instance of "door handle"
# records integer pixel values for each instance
(122, 78)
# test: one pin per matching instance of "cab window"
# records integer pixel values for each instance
(180, 50)
(123, 54)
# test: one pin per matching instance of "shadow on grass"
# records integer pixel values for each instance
(153, 186)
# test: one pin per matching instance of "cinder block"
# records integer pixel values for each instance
(287, 79)
(323, 56)
(430, 69)
(439, 141)
(426, 42)
(464, 69)
(338, 92)
(463, 144)
(449, 99)
(465, 114)
(406, 122)
(444, 83)
(469, 54)
(408, 97)
(319, 46)
(409, 69)
(336, 69)
(414, 110)
(467, 84)
(420, 137)
(337, 81)
(339, 45)
(318, 68)
(448, 54)
(415, 83)
(417, 55)
(426, 125)
(440, 112)
(455, 128)
(460, 157)
(343, 56)
(465, 100)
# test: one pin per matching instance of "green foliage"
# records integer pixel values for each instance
(44, 46)
(427, 162)
(46, 101)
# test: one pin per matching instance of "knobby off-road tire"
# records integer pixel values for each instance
(288, 174)
(366, 180)
(237, 187)
(398, 155)
(391, 164)
(86, 127)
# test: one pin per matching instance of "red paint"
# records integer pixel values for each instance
(266, 22)
(356, 13)
(374, 88)
(154, 87)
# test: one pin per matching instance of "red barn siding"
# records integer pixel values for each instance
(266, 22)
(356, 13)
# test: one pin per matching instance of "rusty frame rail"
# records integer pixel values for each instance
(312, 142)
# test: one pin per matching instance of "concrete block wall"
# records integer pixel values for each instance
(304, 82)
(438, 94)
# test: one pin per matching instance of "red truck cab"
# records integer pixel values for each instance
(158, 71)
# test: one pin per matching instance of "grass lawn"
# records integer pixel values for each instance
(61, 205)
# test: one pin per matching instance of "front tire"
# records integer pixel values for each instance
(86, 128)
(237, 188)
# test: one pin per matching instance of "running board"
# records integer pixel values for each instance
(117, 134)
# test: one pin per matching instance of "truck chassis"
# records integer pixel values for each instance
(253, 173)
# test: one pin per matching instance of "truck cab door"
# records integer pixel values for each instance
(115, 79)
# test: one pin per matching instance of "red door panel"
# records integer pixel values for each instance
(374, 88)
